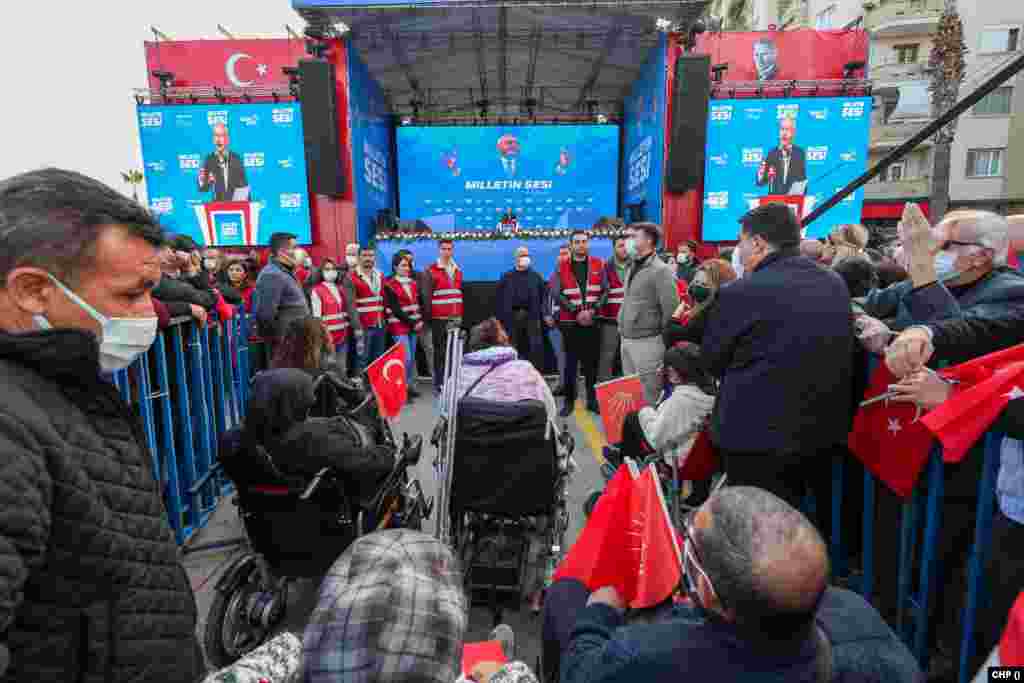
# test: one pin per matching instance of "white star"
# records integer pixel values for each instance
(261, 69)
(1014, 394)
(894, 425)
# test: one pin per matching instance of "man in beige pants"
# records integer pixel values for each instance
(650, 299)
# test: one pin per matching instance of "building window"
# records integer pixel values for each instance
(824, 18)
(984, 163)
(996, 103)
(893, 173)
(907, 54)
(1000, 39)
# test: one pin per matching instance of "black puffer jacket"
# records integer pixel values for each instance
(91, 588)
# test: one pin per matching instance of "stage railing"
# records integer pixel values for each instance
(920, 546)
(190, 387)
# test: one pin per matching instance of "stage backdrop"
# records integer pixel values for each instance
(266, 151)
(644, 146)
(465, 178)
(374, 181)
(829, 149)
(802, 54)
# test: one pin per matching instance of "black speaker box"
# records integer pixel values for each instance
(320, 127)
(688, 136)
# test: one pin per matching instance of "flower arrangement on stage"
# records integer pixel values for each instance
(495, 236)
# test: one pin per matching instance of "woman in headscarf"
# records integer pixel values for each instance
(687, 323)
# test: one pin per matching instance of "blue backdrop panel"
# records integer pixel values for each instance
(643, 158)
(486, 260)
(461, 178)
(267, 139)
(831, 137)
(374, 170)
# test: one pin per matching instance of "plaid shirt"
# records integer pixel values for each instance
(391, 608)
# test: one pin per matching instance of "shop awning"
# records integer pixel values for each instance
(884, 210)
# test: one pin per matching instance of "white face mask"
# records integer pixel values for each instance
(210, 264)
(352, 261)
(122, 340)
(523, 262)
(330, 275)
(737, 261)
(631, 247)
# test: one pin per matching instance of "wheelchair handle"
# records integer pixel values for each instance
(313, 485)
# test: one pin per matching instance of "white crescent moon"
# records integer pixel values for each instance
(387, 366)
(229, 68)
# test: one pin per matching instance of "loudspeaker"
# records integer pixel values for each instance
(688, 137)
(320, 127)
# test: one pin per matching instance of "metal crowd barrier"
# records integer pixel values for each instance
(190, 387)
(919, 546)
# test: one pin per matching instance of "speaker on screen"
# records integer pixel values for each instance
(320, 127)
(688, 136)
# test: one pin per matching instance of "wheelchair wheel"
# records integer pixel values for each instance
(242, 615)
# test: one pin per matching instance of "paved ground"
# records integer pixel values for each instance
(418, 418)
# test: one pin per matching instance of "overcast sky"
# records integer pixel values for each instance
(68, 69)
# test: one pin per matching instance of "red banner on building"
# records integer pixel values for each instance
(225, 63)
(802, 54)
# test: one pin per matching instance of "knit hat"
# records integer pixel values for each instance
(390, 609)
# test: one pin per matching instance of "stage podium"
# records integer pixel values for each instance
(229, 224)
(800, 204)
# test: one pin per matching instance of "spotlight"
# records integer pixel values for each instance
(718, 72)
(850, 69)
(601, 118)
(292, 72)
(166, 79)
(663, 24)
(406, 120)
(219, 94)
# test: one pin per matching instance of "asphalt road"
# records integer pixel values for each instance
(417, 418)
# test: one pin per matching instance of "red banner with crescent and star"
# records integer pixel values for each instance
(387, 379)
(224, 63)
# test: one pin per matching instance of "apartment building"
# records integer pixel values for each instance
(988, 154)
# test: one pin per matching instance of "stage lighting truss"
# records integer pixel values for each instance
(838, 87)
(214, 95)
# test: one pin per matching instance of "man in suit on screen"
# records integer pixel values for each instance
(223, 171)
(784, 170)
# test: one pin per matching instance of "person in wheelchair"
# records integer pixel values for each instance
(306, 345)
(674, 424)
(299, 445)
(493, 370)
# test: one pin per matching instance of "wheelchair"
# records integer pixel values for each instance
(297, 526)
(510, 475)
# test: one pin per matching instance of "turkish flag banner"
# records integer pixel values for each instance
(387, 378)
(1011, 645)
(628, 542)
(618, 398)
(886, 438)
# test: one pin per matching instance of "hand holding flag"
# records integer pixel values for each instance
(387, 379)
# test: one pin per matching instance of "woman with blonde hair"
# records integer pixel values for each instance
(688, 321)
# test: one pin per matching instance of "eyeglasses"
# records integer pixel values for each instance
(691, 555)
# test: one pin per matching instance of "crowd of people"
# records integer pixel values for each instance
(767, 347)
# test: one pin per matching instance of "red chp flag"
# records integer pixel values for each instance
(618, 398)
(387, 378)
(628, 543)
(1011, 646)
(886, 438)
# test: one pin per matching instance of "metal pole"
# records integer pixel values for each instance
(1005, 74)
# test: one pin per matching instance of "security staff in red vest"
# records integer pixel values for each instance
(334, 303)
(616, 270)
(441, 284)
(581, 294)
(402, 303)
(367, 283)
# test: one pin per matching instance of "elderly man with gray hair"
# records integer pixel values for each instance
(760, 609)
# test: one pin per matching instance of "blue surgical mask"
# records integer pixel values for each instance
(122, 340)
(945, 266)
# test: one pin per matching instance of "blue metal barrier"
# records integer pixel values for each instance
(189, 388)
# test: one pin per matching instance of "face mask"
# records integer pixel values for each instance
(351, 261)
(683, 258)
(700, 293)
(945, 266)
(330, 275)
(737, 262)
(631, 247)
(210, 264)
(122, 340)
(523, 262)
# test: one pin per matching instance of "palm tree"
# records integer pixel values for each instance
(134, 178)
(947, 66)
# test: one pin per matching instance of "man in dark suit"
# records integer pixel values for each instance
(223, 171)
(785, 165)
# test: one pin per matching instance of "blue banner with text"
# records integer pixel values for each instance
(643, 158)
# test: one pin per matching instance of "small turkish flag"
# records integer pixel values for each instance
(1011, 646)
(618, 398)
(886, 438)
(387, 378)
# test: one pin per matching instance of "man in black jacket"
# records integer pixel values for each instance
(223, 170)
(91, 588)
(782, 341)
(520, 302)
(786, 165)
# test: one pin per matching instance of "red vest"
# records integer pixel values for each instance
(446, 299)
(571, 288)
(409, 304)
(332, 312)
(369, 305)
(616, 293)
